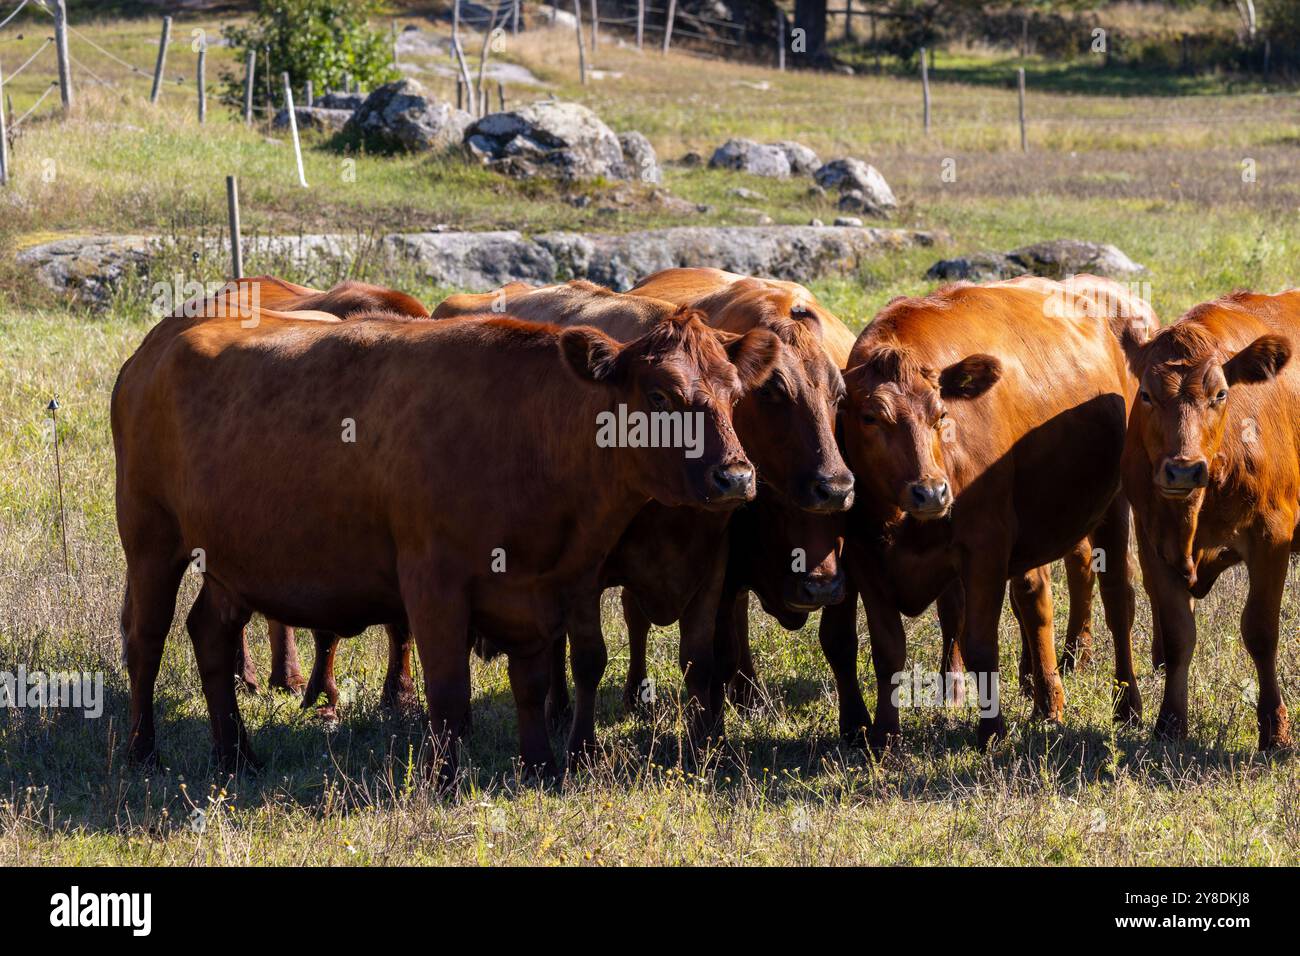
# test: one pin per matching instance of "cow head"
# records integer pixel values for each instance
(1186, 384)
(895, 423)
(681, 381)
(795, 559)
(787, 424)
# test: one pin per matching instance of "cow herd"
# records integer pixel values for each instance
(475, 478)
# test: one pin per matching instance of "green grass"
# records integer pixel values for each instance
(1157, 175)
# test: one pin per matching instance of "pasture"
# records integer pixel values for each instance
(1160, 176)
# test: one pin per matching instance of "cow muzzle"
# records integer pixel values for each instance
(1179, 477)
(730, 483)
(829, 493)
(928, 498)
(809, 592)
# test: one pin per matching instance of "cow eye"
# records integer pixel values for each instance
(869, 419)
(1145, 396)
(658, 399)
(769, 392)
(1221, 396)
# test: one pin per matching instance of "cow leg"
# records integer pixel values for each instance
(838, 636)
(703, 674)
(399, 686)
(984, 577)
(589, 660)
(286, 672)
(558, 707)
(1148, 563)
(438, 614)
(1111, 538)
(530, 679)
(733, 626)
(215, 626)
(1172, 602)
(147, 610)
(1031, 598)
(245, 670)
(1079, 578)
(951, 608)
(1267, 565)
(321, 680)
(636, 690)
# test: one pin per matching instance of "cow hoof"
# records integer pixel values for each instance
(1072, 660)
(882, 741)
(293, 684)
(1128, 704)
(1171, 727)
(990, 729)
(1275, 732)
(404, 705)
(144, 756)
(558, 714)
(327, 713)
(238, 763)
(743, 692)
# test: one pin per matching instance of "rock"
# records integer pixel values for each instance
(855, 200)
(1056, 259)
(751, 157)
(760, 218)
(1059, 258)
(402, 116)
(549, 137)
(313, 117)
(803, 161)
(639, 157)
(552, 16)
(91, 269)
(853, 221)
(979, 267)
(816, 192)
(850, 174)
(340, 101)
(740, 192)
(815, 222)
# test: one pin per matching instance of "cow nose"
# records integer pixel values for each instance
(1185, 474)
(819, 591)
(831, 493)
(929, 497)
(732, 481)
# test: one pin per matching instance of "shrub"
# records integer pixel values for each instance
(319, 40)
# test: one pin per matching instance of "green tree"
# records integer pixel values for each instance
(324, 41)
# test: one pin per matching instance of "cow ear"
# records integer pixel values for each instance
(754, 355)
(971, 377)
(590, 354)
(1133, 338)
(1259, 361)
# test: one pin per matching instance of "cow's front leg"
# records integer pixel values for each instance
(1031, 596)
(889, 658)
(1171, 604)
(1111, 538)
(589, 659)
(705, 685)
(838, 635)
(984, 581)
(530, 679)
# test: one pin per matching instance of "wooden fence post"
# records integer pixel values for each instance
(61, 48)
(595, 26)
(395, 57)
(162, 58)
(455, 21)
(293, 127)
(250, 70)
(668, 24)
(780, 41)
(4, 137)
(232, 206)
(201, 74)
(925, 88)
(640, 23)
(309, 94)
(848, 20)
(1024, 139)
(460, 93)
(582, 55)
(501, 96)
(514, 18)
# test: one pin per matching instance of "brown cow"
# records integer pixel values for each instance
(985, 433)
(671, 562)
(212, 421)
(1212, 466)
(344, 300)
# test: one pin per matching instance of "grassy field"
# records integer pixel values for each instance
(1160, 176)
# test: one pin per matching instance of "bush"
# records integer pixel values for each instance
(319, 40)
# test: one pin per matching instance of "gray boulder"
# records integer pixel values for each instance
(340, 101)
(1054, 259)
(853, 175)
(855, 200)
(551, 138)
(401, 116)
(313, 117)
(803, 161)
(750, 157)
(639, 159)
